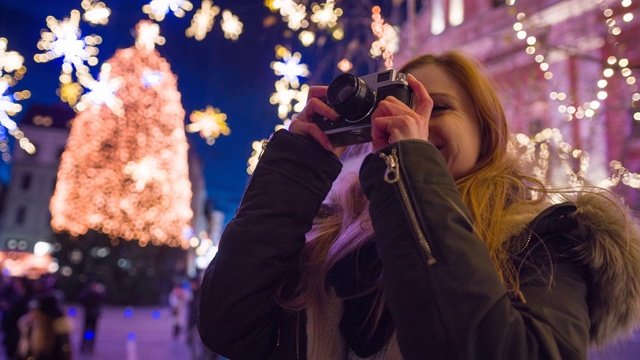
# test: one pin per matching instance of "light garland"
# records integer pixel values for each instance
(587, 110)
(297, 17)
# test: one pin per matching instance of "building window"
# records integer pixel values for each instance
(26, 181)
(21, 215)
(446, 12)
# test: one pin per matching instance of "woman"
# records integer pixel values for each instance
(435, 246)
(45, 331)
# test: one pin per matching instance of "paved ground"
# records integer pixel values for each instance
(136, 333)
(145, 333)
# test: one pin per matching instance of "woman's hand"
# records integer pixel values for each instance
(302, 124)
(393, 120)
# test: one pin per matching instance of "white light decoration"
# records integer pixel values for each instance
(290, 68)
(289, 96)
(95, 12)
(64, 40)
(11, 71)
(210, 123)
(203, 20)
(103, 92)
(148, 35)
(231, 25)
(326, 15)
(584, 111)
(158, 9)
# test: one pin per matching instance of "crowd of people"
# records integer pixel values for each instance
(34, 324)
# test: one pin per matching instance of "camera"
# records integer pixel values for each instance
(354, 99)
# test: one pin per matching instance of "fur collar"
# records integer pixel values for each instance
(611, 251)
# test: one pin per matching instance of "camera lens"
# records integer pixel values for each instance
(350, 97)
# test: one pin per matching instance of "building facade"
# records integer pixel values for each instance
(26, 217)
(566, 72)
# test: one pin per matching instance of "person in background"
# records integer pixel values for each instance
(91, 298)
(45, 331)
(14, 304)
(179, 300)
(429, 242)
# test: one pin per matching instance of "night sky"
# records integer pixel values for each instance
(234, 76)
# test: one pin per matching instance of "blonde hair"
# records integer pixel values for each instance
(339, 233)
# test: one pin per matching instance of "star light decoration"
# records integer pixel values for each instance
(65, 40)
(158, 9)
(289, 96)
(587, 110)
(210, 123)
(11, 71)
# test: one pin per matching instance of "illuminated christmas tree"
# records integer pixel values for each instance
(124, 171)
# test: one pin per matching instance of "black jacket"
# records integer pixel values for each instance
(443, 295)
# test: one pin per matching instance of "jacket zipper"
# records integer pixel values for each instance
(392, 176)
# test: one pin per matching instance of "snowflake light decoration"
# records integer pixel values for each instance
(231, 25)
(148, 35)
(210, 123)
(11, 71)
(326, 15)
(203, 20)
(95, 12)
(288, 99)
(290, 68)
(158, 9)
(64, 40)
(294, 14)
(144, 172)
(103, 92)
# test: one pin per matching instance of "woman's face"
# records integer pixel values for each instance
(454, 126)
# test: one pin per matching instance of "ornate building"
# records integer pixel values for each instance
(566, 65)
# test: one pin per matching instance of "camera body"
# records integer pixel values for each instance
(355, 98)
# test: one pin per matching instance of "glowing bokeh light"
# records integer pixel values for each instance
(210, 123)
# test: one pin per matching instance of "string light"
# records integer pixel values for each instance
(587, 110)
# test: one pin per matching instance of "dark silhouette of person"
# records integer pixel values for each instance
(91, 299)
(15, 304)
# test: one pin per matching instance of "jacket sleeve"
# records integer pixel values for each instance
(261, 246)
(442, 289)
